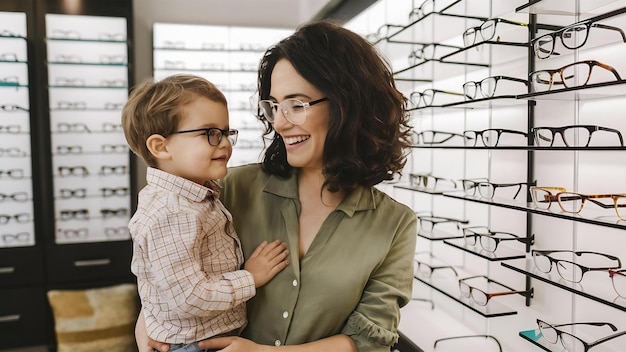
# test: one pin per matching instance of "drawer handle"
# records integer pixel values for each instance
(8, 318)
(7, 270)
(94, 262)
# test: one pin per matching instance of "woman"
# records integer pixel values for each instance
(338, 127)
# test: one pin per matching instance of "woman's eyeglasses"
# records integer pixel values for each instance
(214, 135)
(294, 110)
(487, 86)
(568, 270)
(572, 37)
(489, 240)
(570, 342)
(573, 75)
(571, 202)
(481, 297)
(487, 30)
(572, 136)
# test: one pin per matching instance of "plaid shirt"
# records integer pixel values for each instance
(186, 256)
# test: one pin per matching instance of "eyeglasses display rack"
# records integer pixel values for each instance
(537, 207)
(227, 56)
(88, 86)
(16, 190)
(66, 173)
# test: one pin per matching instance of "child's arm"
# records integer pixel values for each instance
(267, 260)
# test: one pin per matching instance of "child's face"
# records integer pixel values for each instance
(191, 155)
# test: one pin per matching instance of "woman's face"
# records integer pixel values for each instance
(305, 142)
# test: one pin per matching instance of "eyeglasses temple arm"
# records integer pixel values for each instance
(606, 67)
(612, 257)
(604, 26)
(468, 336)
(613, 327)
(607, 338)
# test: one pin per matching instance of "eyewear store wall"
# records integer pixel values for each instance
(518, 170)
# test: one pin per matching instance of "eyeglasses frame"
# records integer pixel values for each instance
(497, 78)
(586, 344)
(493, 294)
(552, 72)
(526, 240)
(230, 134)
(560, 130)
(278, 106)
(584, 269)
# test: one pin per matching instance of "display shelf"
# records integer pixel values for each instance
(556, 7)
(496, 46)
(534, 336)
(486, 103)
(449, 287)
(603, 218)
(216, 50)
(422, 190)
(88, 63)
(502, 253)
(526, 148)
(426, 69)
(590, 91)
(594, 286)
(438, 235)
(85, 40)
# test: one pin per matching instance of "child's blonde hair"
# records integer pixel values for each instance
(154, 108)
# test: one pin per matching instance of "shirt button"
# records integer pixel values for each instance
(295, 283)
(285, 314)
(277, 343)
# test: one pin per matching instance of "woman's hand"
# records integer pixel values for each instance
(232, 344)
(145, 343)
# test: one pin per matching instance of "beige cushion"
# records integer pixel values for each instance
(100, 319)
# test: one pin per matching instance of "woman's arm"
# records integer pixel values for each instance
(337, 343)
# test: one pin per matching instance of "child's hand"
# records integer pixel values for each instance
(267, 260)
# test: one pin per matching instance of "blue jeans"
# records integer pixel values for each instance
(192, 347)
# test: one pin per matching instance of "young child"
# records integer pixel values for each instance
(186, 254)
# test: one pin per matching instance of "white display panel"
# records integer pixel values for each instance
(16, 187)
(87, 60)
(228, 56)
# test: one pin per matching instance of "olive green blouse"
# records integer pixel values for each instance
(354, 278)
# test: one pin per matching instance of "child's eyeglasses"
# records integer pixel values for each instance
(214, 135)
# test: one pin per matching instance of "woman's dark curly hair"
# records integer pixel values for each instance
(369, 130)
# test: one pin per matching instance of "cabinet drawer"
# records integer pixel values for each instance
(89, 262)
(21, 266)
(23, 317)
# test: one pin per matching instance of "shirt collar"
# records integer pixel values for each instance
(359, 199)
(181, 186)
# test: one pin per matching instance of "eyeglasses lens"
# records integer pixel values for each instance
(542, 262)
(548, 332)
(541, 81)
(569, 271)
(488, 87)
(619, 283)
(488, 30)
(571, 343)
(544, 46)
(541, 198)
(570, 202)
(576, 75)
(469, 36)
(574, 37)
(294, 110)
(620, 207)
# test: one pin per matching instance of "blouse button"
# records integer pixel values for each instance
(277, 343)
(285, 314)
(295, 283)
